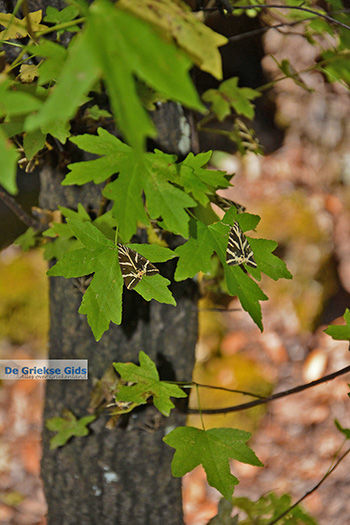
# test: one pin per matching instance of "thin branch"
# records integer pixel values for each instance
(253, 32)
(220, 310)
(278, 6)
(251, 404)
(18, 210)
(201, 385)
(311, 490)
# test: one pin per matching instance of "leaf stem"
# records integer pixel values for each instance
(199, 407)
(63, 25)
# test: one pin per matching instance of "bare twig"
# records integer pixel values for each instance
(18, 210)
(201, 385)
(254, 32)
(251, 404)
(219, 310)
(279, 6)
(311, 490)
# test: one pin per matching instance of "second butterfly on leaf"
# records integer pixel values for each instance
(133, 266)
(238, 248)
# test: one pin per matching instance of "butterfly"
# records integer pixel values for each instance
(238, 248)
(226, 204)
(133, 266)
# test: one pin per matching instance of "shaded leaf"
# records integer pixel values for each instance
(33, 142)
(147, 384)
(67, 427)
(341, 332)
(27, 239)
(9, 158)
(228, 96)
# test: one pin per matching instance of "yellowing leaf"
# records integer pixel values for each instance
(18, 28)
(28, 72)
(175, 20)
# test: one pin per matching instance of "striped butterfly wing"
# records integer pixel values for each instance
(133, 266)
(226, 204)
(238, 248)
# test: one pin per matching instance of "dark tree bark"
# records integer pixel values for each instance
(119, 476)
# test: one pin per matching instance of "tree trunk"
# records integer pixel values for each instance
(122, 475)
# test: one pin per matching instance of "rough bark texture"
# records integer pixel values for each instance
(119, 476)
(122, 475)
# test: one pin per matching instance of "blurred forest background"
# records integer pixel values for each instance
(302, 192)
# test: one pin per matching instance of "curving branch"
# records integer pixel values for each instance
(256, 402)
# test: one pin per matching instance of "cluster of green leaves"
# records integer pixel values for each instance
(213, 448)
(261, 512)
(152, 186)
(149, 186)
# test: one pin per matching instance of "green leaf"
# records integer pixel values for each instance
(27, 239)
(149, 173)
(78, 74)
(247, 291)
(155, 287)
(268, 263)
(153, 252)
(125, 46)
(59, 129)
(165, 200)
(195, 254)
(213, 178)
(290, 72)
(89, 235)
(67, 427)
(96, 113)
(55, 16)
(213, 449)
(15, 102)
(9, 158)
(199, 181)
(341, 332)
(228, 96)
(33, 142)
(76, 263)
(54, 59)
(337, 66)
(147, 384)
(12, 126)
(269, 507)
(102, 301)
(224, 515)
(345, 431)
(57, 248)
(126, 192)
